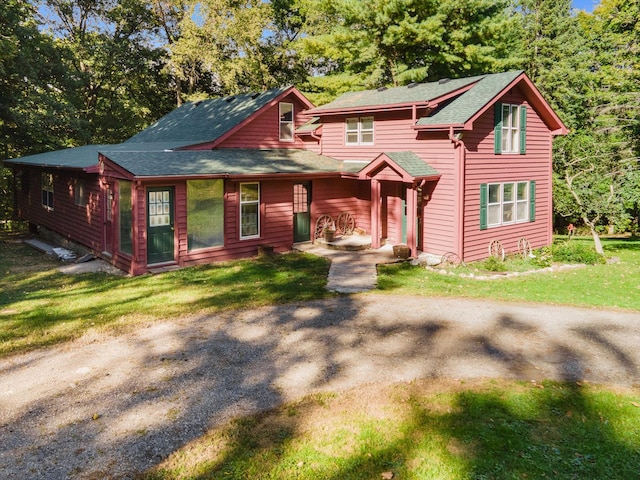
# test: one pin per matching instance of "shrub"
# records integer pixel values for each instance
(576, 252)
(543, 257)
(493, 264)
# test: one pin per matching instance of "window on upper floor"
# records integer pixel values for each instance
(47, 190)
(359, 131)
(507, 203)
(510, 130)
(286, 122)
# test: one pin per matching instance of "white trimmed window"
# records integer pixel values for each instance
(359, 131)
(249, 210)
(47, 190)
(510, 128)
(286, 122)
(507, 203)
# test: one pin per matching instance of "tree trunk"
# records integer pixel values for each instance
(596, 237)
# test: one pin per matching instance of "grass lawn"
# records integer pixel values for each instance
(40, 306)
(615, 285)
(428, 429)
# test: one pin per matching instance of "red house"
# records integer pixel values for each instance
(443, 167)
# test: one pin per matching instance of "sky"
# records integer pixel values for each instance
(586, 5)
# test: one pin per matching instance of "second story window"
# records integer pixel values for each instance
(286, 122)
(359, 131)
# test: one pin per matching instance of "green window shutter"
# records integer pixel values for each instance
(532, 201)
(497, 128)
(523, 130)
(484, 191)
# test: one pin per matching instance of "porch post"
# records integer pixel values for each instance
(412, 215)
(375, 213)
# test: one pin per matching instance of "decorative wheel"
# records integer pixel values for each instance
(496, 249)
(323, 221)
(524, 248)
(451, 259)
(345, 224)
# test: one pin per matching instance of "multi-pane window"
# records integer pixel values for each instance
(249, 210)
(79, 194)
(510, 128)
(359, 131)
(286, 122)
(124, 217)
(506, 203)
(205, 213)
(47, 190)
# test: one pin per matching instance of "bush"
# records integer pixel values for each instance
(543, 257)
(493, 264)
(576, 252)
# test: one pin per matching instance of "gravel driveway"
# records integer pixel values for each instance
(111, 406)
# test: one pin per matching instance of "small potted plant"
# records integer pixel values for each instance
(329, 233)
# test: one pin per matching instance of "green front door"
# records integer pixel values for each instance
(160, 225)
(301, 212)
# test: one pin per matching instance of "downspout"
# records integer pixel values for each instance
(316, 137)
(456, 139)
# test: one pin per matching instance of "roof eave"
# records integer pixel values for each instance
(443, 127)
(370, 108)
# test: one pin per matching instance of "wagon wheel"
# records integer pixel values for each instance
(496, 249)
(451, 259)
(323, 221)
(345, 224)
(524, 247)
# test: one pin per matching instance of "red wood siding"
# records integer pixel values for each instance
(483, 166)
(264, 130)
(393, 132)
(333, 197)
(81, 224)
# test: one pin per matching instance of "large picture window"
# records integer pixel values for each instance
(510, 128)
(47, 190)
(506, 203)
(125, 218)
(205, 213)
(249, 210)
(359, 131)
(286, 122)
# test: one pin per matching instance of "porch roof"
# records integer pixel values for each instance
(405, 166)
(223, 162)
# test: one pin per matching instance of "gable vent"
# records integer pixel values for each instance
(444, 80)
(230, 99)
(381, 89)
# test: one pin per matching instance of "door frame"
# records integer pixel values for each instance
(169, 227)
(302, 236)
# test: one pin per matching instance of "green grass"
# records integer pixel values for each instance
(40, 306)
(428, 429)
(614, 285)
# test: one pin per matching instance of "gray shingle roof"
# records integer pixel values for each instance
(419, 92)
(78, 157)
(460, 110)
(412, 164)
(223, 162)
(205, 121)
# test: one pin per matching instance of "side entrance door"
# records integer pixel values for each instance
(160, 230)
(301, 212)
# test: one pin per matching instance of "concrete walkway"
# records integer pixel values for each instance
(351, 272)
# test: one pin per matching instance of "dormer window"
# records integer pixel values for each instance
(286, 122)
(359, 131)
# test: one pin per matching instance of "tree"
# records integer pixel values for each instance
(375, 43)
(116, 60)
